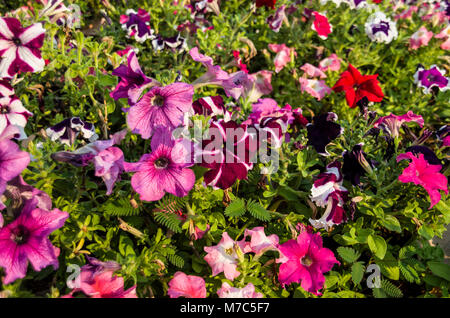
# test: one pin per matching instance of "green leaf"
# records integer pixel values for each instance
(440, 269)
(389, 266)
(236, 208)
(348, 254)
(170, 221)
(426, 232)
(390, 289)
(391, 223)
(358, 272)
(257, 211)
(377, 245)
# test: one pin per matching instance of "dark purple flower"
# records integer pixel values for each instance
(67, 131)
(433, 77)
(356, 164)
(276, 21)
(322, 131)
(428, 154)
(211, 106)
(137, 24)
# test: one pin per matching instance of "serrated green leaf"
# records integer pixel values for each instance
(348, 254)
(236, 208)
(257, 211)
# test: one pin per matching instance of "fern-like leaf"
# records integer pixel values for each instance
(120, 207)
(390, 289)
(170, 204)
(176, 260)
(257, 211)
(171, 221)
(236, 208)
(348, 254)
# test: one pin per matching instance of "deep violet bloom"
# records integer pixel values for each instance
(322, 131)
(428, 154)
(26, 240)
(433, 77)
(276, 21)
(321, 25)
(356, 164)
(19, 47)
(327, 191)
(67, 131)
(227, 154)
(391, 124)
(357, 86)
(186, 286)
(421, 172)
(268, 3)
(13, 113)
(163, 170)
(224, 257)
(304, 261)
(160, 107)
(226, 291)
(132, 80)
(137, 24)
(380, 28)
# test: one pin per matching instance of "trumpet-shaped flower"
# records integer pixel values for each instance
(187, 286)
(226, 291)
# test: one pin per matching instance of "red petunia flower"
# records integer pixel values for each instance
(357, 86)
(267, 3)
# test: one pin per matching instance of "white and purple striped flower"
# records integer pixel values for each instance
(13, 113)
(211, 106)
(327, 191)
(433, 77)
(137, 24)
(67, 130)
(19, 47)
(380, 28)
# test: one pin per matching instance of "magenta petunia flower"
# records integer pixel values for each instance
(186, 286)
(283, 56)
(13, 113)
(420, 38)
(304, 261)
(109, 165)
(226, 291)
(5, 88)
(137, 24)
(160, 107)
(420, 172)
(163, 170)
(132, 80)
(19, 47)
(391, 124)
(26, 239)
(223, 257)
(105, 285)
(321, 25)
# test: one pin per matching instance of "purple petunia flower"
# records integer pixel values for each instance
(276, 21)
(5, 88)
(160, 106)
(19, 47)
(26, 240)
(176, 43)
(327, 191)
(109, 165)
(380, 28)
(163, 170)
(132, 80)
(137, 24)
(211, 106)
(356, 164)
(433, 77)
(322, 131)
(67, 131)
(391, 124)
(13, 113)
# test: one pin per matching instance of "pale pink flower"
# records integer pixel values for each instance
(331, 63)
(420, 38)
(283, 56)
(312, 71)
(226, 291)
(187, 286)
(259, 242)
(444, 34)
(314, 87)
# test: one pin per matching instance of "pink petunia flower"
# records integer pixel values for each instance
(304, 261)
(105, 285)
(420, 38)
(223, 257)
(258, 84)
(314, 87)
(226, 291)
(259, 242)
(19, 47)
(444, 34)
(312, 71)
(391, 124)
(331, 63)
(26, 240)
(321, 25)
(420, 172)
(163, 170)
(268, 107)
(160, 106)
(187, 286)
(13, 113)
(109, 165)
(283, 56)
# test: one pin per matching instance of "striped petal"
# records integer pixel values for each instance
(36, 63)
